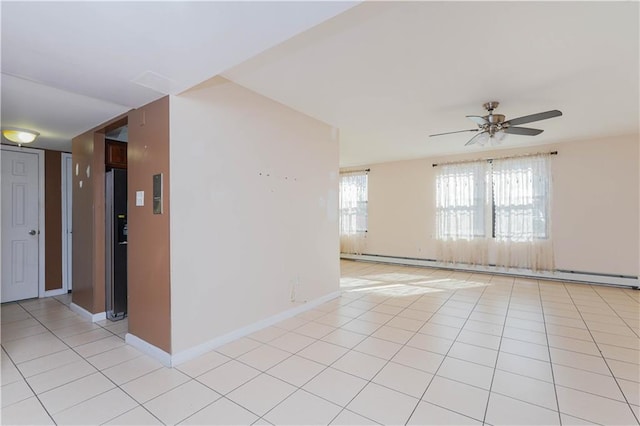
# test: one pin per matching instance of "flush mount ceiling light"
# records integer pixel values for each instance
(20, 136)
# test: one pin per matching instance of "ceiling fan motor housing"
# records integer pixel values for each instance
(493, 121)
(490, 106)
(495, 118)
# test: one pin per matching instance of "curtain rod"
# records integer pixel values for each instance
(491, 159)
(355, 171)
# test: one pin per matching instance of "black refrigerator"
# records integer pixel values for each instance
(116, 244)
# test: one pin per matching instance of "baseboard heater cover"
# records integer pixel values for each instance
(557, 275)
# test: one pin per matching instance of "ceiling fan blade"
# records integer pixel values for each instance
(522, 131)
(477, 119)
(534, 117)
(459, 131)
(474, 139)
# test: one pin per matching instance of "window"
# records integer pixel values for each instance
(505, 199)
(460, 200)
(521, 193)
(353, 203)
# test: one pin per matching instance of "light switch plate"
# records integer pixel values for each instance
(139, 198)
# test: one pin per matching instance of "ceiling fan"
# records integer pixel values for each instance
(494, 127)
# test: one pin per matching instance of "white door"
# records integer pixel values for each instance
(20, 219)
(67, 209)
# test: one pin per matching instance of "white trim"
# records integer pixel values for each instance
(66, 254)
(86, 314)
(149, 349)
(205, 347)
(195, 351)
(56, 292)
(554, 276)
(41, 234)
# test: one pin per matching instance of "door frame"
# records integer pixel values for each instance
(67, 257)
(41, 236)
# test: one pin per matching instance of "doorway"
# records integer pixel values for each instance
(116, 223)
(116, 244)
(67, 222)
(22, 223)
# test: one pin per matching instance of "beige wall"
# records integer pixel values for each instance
(595, 205)
(148, 268)
(596, 216)
(253, 210)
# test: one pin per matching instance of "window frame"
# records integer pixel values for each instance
(492, 216)
(455, 211)
(358, 213)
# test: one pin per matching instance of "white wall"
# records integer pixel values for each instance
(253, 210)
(595, 205)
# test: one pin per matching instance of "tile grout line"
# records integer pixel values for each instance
(83, 358)
(20, 372)
(495, 366)
(300, 388)
(605, 361)
(415, 333)
(291, 354)
(24, 378)
(100, 371)
(369, 381)
(451, 297)
(548, 346)
(343, 408)
(30, 388)
(546, 335)
(617, 315)
(339, 358)
(435, 373)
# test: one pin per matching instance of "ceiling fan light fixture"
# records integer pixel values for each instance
(20, 136)
(483, 138)
(499, 137)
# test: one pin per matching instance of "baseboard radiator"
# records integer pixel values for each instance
(558, 275)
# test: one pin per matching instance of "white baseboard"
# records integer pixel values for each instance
(579, 277)
(202, 348)
(149, 349)
(56, 292)
(86, 314)
(193, 352)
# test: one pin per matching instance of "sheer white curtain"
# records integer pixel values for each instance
(353, 212)
(461, 212)
(522, 210)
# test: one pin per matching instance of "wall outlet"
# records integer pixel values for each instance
(293, 293)
(294, 288)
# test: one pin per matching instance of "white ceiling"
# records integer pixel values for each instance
(390, 73)
(70, 66)
(387, 74)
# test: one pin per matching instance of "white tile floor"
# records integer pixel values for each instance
(400, 346)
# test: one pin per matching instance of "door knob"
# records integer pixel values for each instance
(33, 232)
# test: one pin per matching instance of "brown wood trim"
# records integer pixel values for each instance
(116, 123)
(53, 220)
